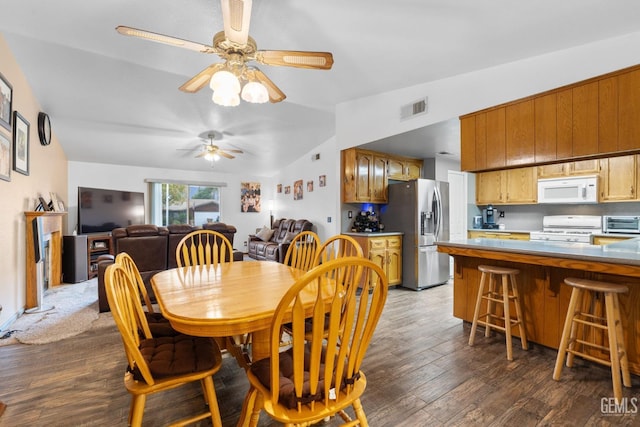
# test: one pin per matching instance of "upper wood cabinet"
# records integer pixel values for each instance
(579, 167)
(545, 128)
(364, 177)
(628, 111)
(365, 174)
(595, 118)
(482, 140)
(619, 179)
(510, 186)
(403, 169)
(520, 125)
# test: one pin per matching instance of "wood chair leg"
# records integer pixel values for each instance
(507, 315)
(137, 410)
(583, 303)
(491, 305)
(614, 351)
(476, 313)
(624, 361)
(519, 314)
(211, 399)
(566, 332)
(359, 412)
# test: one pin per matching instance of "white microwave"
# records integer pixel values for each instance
(576, 189)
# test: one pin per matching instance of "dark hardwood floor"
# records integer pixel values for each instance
(420, 371)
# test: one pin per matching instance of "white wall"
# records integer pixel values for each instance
(368, 119)
(131, 178)
(322, 202)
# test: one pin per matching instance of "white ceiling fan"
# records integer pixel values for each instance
(213, 152)
(237, 49)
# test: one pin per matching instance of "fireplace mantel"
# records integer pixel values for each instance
(52, 226)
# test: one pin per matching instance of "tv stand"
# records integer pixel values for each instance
(97, 244)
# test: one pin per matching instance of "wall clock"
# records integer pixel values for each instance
(44, 128)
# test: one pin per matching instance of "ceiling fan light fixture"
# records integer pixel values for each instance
(255, 92)
(225, 80)
(226, 98)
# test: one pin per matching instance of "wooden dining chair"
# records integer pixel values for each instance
(338, 246)
(302, 250)
(316, 379)
(203, 247)
(159, 326)
(159, 364)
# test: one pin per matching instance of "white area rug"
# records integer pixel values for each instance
(75, 310)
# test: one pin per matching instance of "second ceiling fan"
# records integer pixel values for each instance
(237, 49)
(212, 152)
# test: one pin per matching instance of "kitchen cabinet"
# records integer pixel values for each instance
(585, 120)
(493, 234)
(364, 176)
(598, 117)
(520, 125)
(385, 251)
(629, 110)
(511, 186)
(619, 178)
(579, 167)
(482, 140)
(403, 169)
(545, 124)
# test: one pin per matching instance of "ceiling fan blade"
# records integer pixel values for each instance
(201, 79)
(161, 38)
(225, 154)
(275, 94)
(295, 58)
(233, 151)
(236, 16)
(204, 153)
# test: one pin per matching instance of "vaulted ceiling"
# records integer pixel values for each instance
(115, 99)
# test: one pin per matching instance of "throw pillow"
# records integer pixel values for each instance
(288, 238)
(265, 234)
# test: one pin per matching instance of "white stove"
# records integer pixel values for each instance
(568, 228)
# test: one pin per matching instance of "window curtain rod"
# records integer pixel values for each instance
(177, 181)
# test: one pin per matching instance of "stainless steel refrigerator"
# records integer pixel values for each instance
(420, 209)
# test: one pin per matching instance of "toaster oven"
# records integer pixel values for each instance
(621, 224)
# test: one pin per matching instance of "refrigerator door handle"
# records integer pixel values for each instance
(438, 212)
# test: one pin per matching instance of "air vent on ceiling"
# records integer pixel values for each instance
(414, 109)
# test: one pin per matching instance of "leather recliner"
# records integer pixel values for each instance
(274, 249)
(153, 249)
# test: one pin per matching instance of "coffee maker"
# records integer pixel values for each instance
(489, 218)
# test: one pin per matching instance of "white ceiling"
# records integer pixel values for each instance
(115, 99)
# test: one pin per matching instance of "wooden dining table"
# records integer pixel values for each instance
(228, 299)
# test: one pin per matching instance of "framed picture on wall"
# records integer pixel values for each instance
(5, 158)
(20, 144)
(6, 100)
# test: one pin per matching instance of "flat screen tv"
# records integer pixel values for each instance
(101, 210)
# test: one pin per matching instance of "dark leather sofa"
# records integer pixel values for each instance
(276, 247)
(153, 249)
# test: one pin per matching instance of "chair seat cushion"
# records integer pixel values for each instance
(287, 396)
(177, 355)
(160, 326)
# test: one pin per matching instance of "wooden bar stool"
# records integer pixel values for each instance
(582, 311)
(494, 296)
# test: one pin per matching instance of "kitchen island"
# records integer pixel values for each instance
(543, 267)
